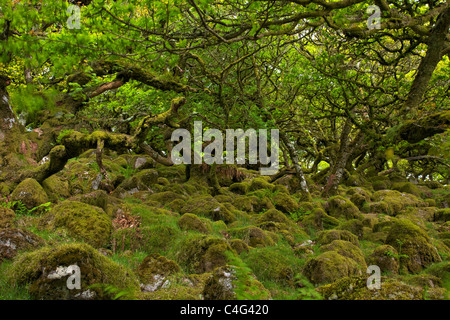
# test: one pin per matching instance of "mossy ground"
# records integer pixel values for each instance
(156, 221)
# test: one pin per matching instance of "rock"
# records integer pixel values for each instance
(147, 176)
(143, 163)
(260, 183)
(252, 236)
(442, 215)
(83, 222)
(347, 249)
(224, 284)
(189, 221)
(201, 253)
(355, 288)
(284, 202)
(319, 220)
(339, 206)
(239, 245)
(7, 216)
(56, 187)
(329, 267)
(359, 196)
(239, 187)
(208, 207)
(385, 257)
(154, 270)
(409, 239)
(327, 236)
(396, 200)
(46, 274)
(355, 226)
(14, 240)
(29, 192)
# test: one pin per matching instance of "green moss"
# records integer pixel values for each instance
(329, 267)
(386, 257)
(407, 187)
(239, 245)
(355, 226)
(29, 192)
(284, 202)
(442, 215)
(260, 183)
(208, 207)
(239, 187)
(252, 236)
(409, 239)
(327, 236)
(346, 249)
(35, 267)
(13, 241)
(189, 221)
(155, 264)
(159, 237)
(339, 206)
(319, 220)
(7, 217)
(165, 197)
(355, 288)
(379, 207)
(83, 222)
(56, 187)
(200, 253)
(396, 200)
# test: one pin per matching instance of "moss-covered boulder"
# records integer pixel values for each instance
(442, 215)
(252, 204)
(347, 249)
(252, 236)
(45, 272)
(154, 270)
(83, 222)
(208, 207)
(379, 207)
(407, 187)
(189, 221)
(319, 220)
(13, 241)
(409, 239)
(385, 257)
(260, 183)
(396, 200)
(200, 253)
(29, 192)
(339, 206)
(239, 187)
(276, 216)
(147, 176)
(7, 216)
(232, 283)
(239, 245)
(284, 202)
(355, 288)
(329, 267)
(327, 236)
(355, 226)
(56, 187)
(359, 196)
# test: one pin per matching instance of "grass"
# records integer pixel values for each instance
(7, 290)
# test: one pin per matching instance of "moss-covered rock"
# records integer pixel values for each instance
(442, 215)
(7, 217)
(407, 187)
(239, 187)
(355, 226)
(252, 204)
(83, 222)
(339, 206)
(359, 196)
(189, 221)
(201, 253)
(239, 245)
(319, 220)
(379, 207)
(327, 236)
(159, 237)
(147, 176)
(252, 236)
(225, 284)
(329, 267)
(154, 270)
(355, 288)
(385, 257)
(260, 183)
(45, 271)
(208, 207)
(56, 187)
(13, 241)
(409, 239)
(396, 200)
(29, 192)
(347, 249)
(274, 215)
(284, 202)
